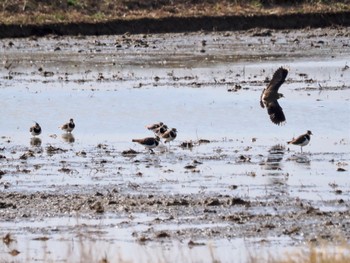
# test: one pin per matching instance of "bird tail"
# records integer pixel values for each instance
(289, 142)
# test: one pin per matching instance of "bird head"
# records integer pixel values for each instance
(309, 132)
(157, 138)
(280, 95)
(71, 120)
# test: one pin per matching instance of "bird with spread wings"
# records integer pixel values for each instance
(269, 97)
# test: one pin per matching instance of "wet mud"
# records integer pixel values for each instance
(229, 175)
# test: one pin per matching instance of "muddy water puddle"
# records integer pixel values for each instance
(240, 188)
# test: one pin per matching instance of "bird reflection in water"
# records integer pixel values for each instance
(277, 179)
(35, 141)
(274, 158)
(68, 137)
(300, 158)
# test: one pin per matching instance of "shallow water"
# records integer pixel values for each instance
(113, 93)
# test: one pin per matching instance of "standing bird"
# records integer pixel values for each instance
(160, 130)
(153, 127)
(270, 95)
(149, 143)
(169, 135)
(302, 140)
(69, 126)
(35, 130)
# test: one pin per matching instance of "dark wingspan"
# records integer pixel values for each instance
(276, 82)
(276, 113)
(278, 78)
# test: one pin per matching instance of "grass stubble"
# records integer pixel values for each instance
(78, 11)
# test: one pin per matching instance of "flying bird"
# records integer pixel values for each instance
(68, 127)
(270, 95)
(35, 130)
(149, 143)
(302, 140)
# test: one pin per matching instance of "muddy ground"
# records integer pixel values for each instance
(234, 182)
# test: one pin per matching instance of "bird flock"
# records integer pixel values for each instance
(161, 131)
(268, 99)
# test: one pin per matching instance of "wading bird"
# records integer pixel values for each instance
(69, 126)
(149, 143)
(35, 130)
(169, 135)
(302, 140)
(153, 127)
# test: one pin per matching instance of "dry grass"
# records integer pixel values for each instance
(313, 254)
(326, 252)
(64, 11)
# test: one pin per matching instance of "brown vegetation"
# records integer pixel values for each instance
(66, 11)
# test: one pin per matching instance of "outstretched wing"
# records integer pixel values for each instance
(277, 80)
(276, 113)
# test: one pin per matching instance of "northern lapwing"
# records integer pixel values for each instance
(69, 126)
(153, 127)
(160, 130)
(270, 95)
(149, 143)
(169, 135)
(35, 130)
(302, 140)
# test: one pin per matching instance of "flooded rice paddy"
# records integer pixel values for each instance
(239, 190)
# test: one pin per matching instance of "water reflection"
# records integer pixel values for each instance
(35, 141)
(276, 178)
(300, 158)
(68, 137)
(274, 158)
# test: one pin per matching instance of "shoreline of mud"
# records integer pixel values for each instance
(239, 213)
(183, 24)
